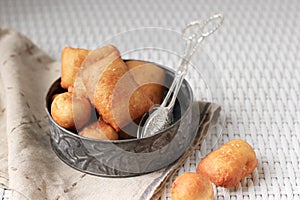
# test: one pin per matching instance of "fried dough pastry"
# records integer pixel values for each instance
(70, 112)
(229, 164)
(99, 130)
(150, 77)
(110, 87)
(191, 185)
(72, 59)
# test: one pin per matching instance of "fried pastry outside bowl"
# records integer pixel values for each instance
(229, 164)
(192, 186)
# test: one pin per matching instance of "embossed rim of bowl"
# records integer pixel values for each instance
(190, 104)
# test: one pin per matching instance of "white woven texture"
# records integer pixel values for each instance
(257, 51)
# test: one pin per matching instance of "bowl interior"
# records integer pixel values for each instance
(183, 104)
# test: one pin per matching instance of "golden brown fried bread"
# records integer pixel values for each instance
(99, 130)
(94, 67)
(150, 77)
(72, 59)
(192, 186)
(110, 87)
(70, 112)
(229, 164)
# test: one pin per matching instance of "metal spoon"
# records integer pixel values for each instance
(161, 116)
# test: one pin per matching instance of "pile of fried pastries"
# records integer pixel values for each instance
(104, 93)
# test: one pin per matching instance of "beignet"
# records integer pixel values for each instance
(72, 59)
(192, 186)
(70, 112)
(99, 130)
(229, 164)
(150, 77)
(111, 88)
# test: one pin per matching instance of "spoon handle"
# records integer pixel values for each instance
(192, 43)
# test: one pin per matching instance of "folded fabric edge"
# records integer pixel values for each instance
(3, 139)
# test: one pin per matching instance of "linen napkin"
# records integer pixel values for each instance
(28, 166)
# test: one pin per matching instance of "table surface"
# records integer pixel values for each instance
(257, 52)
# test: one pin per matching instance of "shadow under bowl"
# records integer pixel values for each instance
(129, 157)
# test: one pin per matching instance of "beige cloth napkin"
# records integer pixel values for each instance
(28, 166)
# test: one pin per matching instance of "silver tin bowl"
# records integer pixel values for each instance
(129, 157)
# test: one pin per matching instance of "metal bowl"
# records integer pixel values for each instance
(129, 157)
